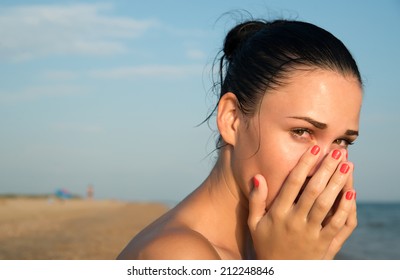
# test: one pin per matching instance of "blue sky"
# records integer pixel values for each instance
(109, 93)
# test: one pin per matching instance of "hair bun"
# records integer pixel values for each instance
(240, 34)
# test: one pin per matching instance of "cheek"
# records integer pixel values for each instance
(275, 163)
(243, 159)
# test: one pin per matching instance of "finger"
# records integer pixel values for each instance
(344, 215)
(349, 183)
(318, 182)
(347, 187)
(345, 233)
(325, 201)
(351, 222)
(257, 201)
(296, 178)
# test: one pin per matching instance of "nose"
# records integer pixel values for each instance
(324, 151)
(327, 150)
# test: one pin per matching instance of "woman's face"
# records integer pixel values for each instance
(316, 107)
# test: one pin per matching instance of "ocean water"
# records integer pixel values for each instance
(377, 236)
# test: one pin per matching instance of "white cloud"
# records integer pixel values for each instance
(160, 71)
(27, 32)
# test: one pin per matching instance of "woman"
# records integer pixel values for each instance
(282, 187)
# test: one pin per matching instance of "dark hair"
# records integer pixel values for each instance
(259, 55)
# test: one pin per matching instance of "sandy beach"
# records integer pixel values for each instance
(76, 229)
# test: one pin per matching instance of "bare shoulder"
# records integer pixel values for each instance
(175, 244)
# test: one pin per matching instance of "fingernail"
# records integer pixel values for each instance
(256, 183)
(349, 195)
(344, 168)
(336, 154)
(315, 150)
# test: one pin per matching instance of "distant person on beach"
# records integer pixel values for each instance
(90, 192)
(289, 103)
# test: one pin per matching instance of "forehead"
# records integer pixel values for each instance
(324, 95)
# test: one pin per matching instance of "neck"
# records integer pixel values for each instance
(230, 206)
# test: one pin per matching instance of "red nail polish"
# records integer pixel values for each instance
(349, 195)
(336, 154)
(344, 168)
(315, 150)
(256, 183)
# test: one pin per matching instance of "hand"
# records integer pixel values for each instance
(350, 224)
(313, 225)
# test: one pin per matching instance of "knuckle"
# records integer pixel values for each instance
(323, 205)
(336, 224)
(296, 179)
(328, 167)
(294, 227)
(337, 182)
(313, 190)
(305, 164)
(250, 222)
(307, 161)
(352, 223)
(276, 215)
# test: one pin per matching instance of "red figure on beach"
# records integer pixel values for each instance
(90, 192)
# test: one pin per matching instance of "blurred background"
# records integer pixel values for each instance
(108, 95)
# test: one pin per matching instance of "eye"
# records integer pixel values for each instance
(345, 143)
(302, 133)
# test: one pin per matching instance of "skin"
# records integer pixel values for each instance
(270, 195)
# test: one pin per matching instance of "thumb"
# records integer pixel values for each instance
(257, 201)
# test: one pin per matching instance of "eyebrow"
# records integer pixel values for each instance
(321, 125)
(350, 132)
(315, 123)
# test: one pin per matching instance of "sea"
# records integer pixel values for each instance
(377, 236)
